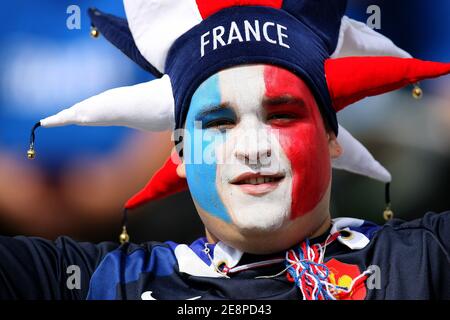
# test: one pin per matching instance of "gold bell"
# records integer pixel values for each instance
(94, 32)
(31, 154)
(417, 92)
(124, 237)
(388, 214)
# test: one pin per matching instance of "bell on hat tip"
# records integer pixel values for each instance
(31, 154)
(388, 214)
(417, 92)
(94, 32)
(124, 237)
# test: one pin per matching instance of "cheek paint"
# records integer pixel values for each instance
(201, 177)
(304, 142)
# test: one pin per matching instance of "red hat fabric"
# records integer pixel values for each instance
(354, 78)
(164, 183)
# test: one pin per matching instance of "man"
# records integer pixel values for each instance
(252, 86)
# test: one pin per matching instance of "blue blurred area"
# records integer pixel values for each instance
(45, 67)
(420, 27)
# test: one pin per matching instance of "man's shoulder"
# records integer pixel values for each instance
(412, 258)
(436, 225)
(432, 230)
(429, 222)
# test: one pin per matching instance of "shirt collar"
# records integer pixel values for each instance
(201, 258)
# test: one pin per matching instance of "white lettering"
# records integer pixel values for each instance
(234, 33)
(265, 32)
(374, 21)
(74, 280)
(254, 31)
(74, 20)
(374, 280)
(218, 32)
(282, 35)
(204, 43)
(189, 310)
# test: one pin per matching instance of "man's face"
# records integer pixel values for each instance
(264, 158)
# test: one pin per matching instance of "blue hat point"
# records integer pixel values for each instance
(116, 31)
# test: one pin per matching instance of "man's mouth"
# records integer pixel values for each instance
(257, 183)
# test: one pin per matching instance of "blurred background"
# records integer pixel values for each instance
(82, 176)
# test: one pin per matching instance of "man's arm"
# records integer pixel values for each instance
(34, 268)
(439, 224)
(439, 227)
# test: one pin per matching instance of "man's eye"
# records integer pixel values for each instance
(221, 124)
(281, 117)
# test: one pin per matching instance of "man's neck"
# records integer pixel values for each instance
(210, 237)
(321, 229)
(324, 226)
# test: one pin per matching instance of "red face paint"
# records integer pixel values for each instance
(303, 139)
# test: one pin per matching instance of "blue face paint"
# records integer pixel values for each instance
(201, 177)
(213, 115)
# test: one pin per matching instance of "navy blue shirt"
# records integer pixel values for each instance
(411, 261)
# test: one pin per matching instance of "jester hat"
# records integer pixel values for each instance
(184, 42)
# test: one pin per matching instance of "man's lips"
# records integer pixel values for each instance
(257, 183)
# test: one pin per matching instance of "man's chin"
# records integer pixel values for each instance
(262, 241)
(260, 226)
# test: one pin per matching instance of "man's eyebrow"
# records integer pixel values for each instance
(281, 100)
(213, 109)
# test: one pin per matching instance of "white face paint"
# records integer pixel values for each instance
(250, 154)
(268, 157)
(270, 160)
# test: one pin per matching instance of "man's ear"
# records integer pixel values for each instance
(181, 170)
(334, 147)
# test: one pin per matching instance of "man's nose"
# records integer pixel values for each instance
(254, 150)
(260, 157)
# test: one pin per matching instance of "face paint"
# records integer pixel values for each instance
(255, 179)
(254, 185)
(201, 177)
(304, 142)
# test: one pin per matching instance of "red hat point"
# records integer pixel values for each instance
(355, 78)
(164, 183)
